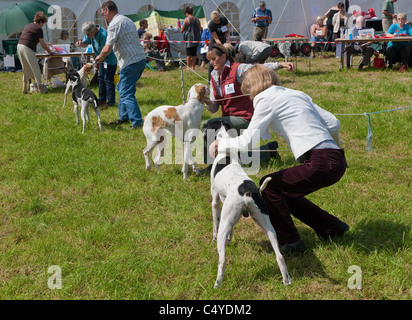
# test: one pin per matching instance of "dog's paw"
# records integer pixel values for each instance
(218, 283)
(287, 281)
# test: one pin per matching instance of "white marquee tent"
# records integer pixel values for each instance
(289, 16)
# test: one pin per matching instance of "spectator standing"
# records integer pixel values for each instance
(329, 25)
(143, 26)
(262, 18)
(340, 20)
(191, 32)
(205, 38)
(219, 32)
(97, 36)
(26, 50)
(123, 39)
(388, 14)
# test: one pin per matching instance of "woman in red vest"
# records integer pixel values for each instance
(225, 90)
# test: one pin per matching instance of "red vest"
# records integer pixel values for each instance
(239, 107)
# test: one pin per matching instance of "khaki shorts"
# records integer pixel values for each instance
(260, 31)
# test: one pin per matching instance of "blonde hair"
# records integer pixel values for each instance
(360, 22)
(257, 79)
(215, 15)
(402, 15)
(320, 18)
(147, 35)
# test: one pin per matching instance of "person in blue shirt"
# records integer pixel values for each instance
(205, 38)
(143, 26)
(96, 36)
(400, 48)
(261, 19)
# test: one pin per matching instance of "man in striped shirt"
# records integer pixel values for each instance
(261, 19)
(122, 37)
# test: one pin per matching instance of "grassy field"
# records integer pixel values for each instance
(86, 204)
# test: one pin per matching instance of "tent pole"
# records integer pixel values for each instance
(182, 78)
(306, 21)
(279, 18)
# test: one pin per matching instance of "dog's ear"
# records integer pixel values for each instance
(201, 92)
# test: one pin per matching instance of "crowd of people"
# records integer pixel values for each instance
(247, 91)
(338, 19)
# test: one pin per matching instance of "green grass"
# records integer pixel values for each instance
(85, 202)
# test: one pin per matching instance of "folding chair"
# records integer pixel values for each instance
(149, 63)
(10, 49)
(162, 45)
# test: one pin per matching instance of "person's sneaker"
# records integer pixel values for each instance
(340, 229)
(273, 146)
(132, 127)
(294, 247)
(118, 122)
(403, 68)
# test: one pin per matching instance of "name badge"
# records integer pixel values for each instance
(224, 29)
(230, 88)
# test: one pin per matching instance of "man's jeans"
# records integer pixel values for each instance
(128, 107)
(106, 83)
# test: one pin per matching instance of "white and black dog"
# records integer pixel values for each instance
(83, 97)
(83, 73)
(232, 186)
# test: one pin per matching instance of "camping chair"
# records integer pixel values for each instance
(10, 49)
(162, 46)
(149, 63)
(319, 47)
(397, 58)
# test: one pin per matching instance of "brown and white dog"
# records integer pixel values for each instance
(185, 117)
(83, 73)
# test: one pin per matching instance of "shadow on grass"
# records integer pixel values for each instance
(367, 236)
(304, 265)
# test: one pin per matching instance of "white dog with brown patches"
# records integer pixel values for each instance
(232, 186)
(185, 117)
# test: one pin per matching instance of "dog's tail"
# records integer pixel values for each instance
(265, 183)
(251, 195)
(93, 100)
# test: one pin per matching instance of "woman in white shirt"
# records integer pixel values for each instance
(312, 134)
(340, 20)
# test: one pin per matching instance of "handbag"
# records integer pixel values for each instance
(379, 63)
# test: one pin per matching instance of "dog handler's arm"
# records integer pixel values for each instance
(103, 54)
(211, 105)
(45, 46)
(258, 128)
(213, 148)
